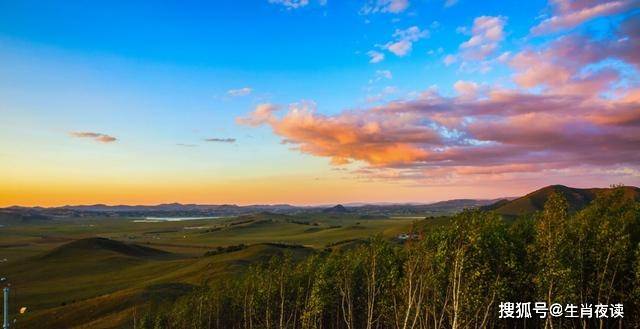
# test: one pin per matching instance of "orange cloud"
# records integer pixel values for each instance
(509, 128)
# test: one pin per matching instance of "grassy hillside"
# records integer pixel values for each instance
(91, 279)
(578, 199)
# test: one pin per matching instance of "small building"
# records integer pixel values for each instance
(408, 236)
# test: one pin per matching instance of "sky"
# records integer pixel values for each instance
(314, 101)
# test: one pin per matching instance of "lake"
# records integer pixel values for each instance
(171, 219)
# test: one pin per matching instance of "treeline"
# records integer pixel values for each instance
(454, 277)
(225, 250)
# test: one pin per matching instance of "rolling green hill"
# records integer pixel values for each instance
(578, 199)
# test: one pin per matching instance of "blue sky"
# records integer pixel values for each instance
(161, 79)
(187, 55)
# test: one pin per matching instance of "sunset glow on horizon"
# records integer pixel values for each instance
(315, 102)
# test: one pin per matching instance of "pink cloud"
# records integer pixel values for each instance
(486, 34)
(559, 67)
(625, 112)
(466, 89)
(507, 128)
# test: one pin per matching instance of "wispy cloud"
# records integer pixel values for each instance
(220, 140)
(98, 137)
(381, 75)
(404, 39)
(384, 6)
(239, 92)
(375, 56)
(295, 4)
(450, 3)
(568, 14)
(385, 92)
(449, 59)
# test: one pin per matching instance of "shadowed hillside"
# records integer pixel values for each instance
(91, 246)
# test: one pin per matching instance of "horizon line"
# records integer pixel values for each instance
(325, 204)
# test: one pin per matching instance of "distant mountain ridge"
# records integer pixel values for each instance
(578, 198)
(338, 209)
(161, 210)
(25, 214)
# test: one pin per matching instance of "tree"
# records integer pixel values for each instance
(554, 278)
(606, 242)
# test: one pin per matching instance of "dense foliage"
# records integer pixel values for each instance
(454, 276)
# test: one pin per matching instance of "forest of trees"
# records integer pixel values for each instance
(454, 276)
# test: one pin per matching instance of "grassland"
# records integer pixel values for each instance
(68, 278)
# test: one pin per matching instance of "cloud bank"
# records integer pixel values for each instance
(568, 111)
